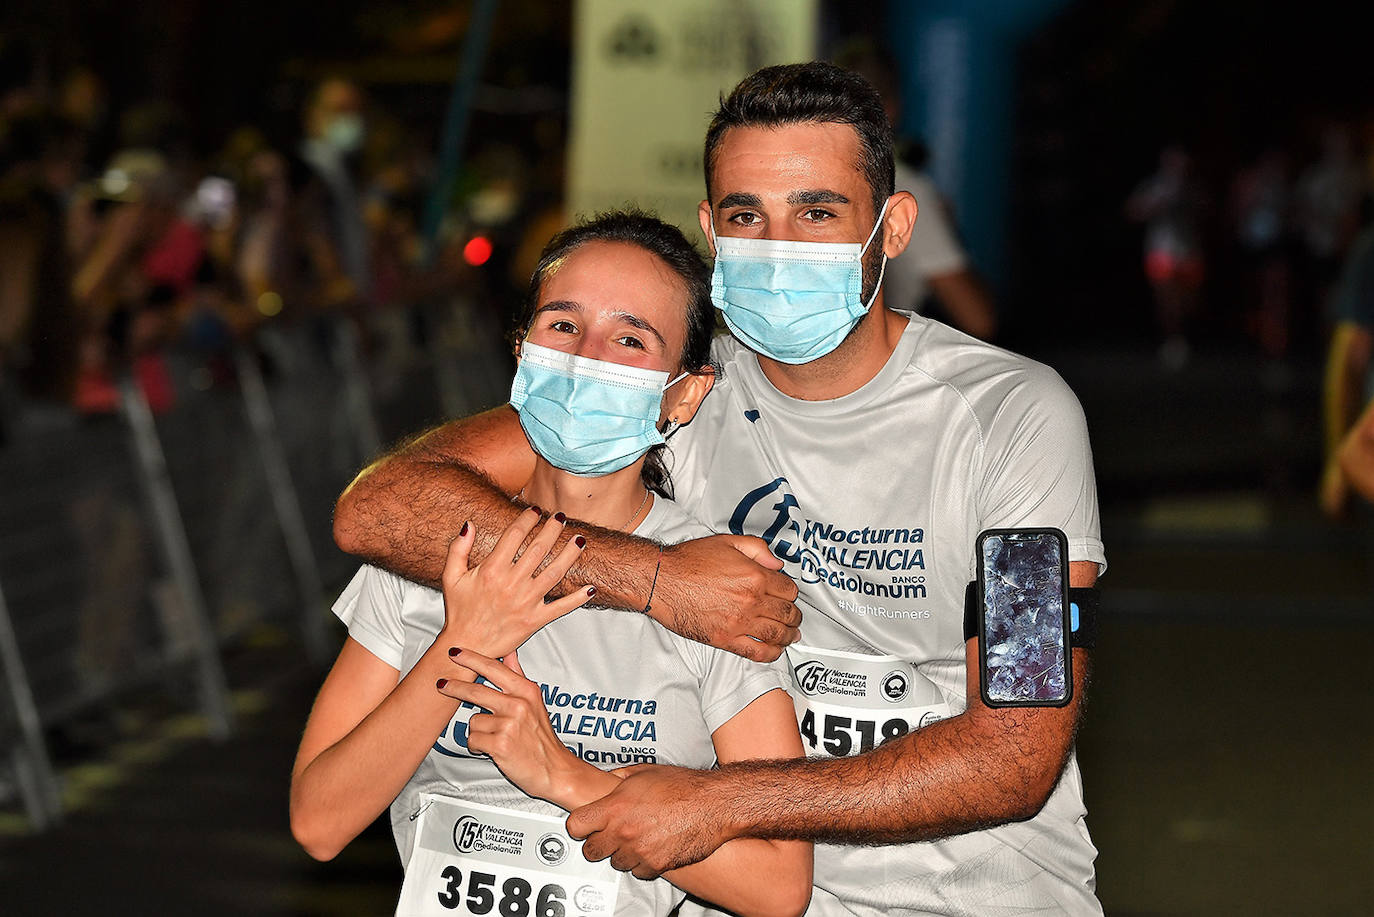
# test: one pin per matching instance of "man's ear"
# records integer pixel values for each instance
(704, 217)
(898, 224)
(687, 394)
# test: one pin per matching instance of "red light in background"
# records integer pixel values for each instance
(478, 251)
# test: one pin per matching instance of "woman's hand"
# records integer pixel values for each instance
(515, 731)
(495, 606)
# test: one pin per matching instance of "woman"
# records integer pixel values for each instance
(615, 349)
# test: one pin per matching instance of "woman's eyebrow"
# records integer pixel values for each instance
(629, 318)
(637, 322)
(559, 305)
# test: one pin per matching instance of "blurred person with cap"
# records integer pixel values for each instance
(862, 450)
(137, 256)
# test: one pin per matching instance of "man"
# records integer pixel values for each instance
(867, 449)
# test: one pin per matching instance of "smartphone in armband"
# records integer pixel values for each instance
(1023, 618)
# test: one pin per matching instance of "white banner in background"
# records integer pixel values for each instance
(646, 79)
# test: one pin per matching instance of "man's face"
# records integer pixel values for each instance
(800, 183)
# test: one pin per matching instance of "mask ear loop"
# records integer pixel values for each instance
(671, 426)
(678, 378)
(883, 269)
(881, 213)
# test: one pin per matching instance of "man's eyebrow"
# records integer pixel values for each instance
(739, 199)
(816, 196)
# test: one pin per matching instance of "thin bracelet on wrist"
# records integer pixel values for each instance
(648, 603)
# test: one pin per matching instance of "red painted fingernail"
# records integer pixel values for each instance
(580, 541)
(537, 510)
(463, 531)
(440, 683)
(559, 517)
(591, 590)
(454, 651)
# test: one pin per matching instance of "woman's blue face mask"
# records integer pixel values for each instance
(793, 302)
(586, 416)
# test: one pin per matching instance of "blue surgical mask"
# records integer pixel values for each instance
(793, 302)
(587, 416)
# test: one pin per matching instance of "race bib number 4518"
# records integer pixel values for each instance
(850, 703)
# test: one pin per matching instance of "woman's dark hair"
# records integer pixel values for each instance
(635, 227)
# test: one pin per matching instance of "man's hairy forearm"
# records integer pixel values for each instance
(411, 509)
(976, 770)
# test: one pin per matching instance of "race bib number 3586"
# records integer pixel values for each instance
(474, 859)
(849, 703)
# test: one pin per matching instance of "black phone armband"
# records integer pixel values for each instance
(1083, 604)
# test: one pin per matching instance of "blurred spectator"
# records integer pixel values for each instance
(1328, 210)
(334, 133)
(1350, 375)
(1171, 203)
(136, 257)
(43, 167)
(934, 264)
(1261, 204)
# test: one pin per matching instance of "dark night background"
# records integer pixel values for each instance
(1228, 745)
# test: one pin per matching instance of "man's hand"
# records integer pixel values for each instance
(658, 819)
(728, 591)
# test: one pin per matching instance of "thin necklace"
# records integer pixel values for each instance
(635, 514)
(625, 527)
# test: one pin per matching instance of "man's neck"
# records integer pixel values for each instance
(846, 369)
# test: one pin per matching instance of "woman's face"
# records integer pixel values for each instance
(616, 302)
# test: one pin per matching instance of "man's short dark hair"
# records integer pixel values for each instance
(814, 92)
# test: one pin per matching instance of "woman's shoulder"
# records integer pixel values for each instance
(669, 523)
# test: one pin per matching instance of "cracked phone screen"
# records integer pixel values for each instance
(1023, 619)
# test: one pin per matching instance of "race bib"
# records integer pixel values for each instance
(474, 859)
(850, 703)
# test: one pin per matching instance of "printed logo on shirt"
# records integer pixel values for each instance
(881, 563)
(616, 730)
(604, 729)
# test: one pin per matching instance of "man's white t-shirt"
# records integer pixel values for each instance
(874, 501)
(934, 248)
(619, 690)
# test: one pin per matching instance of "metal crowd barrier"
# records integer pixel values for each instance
(136, 548)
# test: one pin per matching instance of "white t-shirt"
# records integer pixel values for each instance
(619, 690)
(934, 248)
(874, 501)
